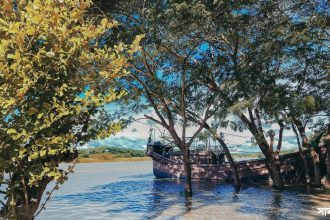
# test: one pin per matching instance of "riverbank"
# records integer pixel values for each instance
(110, 154)
(109, 158)
(114, 154)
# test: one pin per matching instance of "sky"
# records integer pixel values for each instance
(135, 136)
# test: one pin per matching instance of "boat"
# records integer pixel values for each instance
(208, 165)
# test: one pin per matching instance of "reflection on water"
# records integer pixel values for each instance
(130, 191)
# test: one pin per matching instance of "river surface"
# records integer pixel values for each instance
(130, 191)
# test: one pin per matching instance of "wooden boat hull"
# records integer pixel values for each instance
(291, 169)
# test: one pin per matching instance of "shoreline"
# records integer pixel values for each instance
(112, 160)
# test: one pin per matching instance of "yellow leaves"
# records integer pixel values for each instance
(22, 153)
(36, 19)
(11, 131)
(138, 39)
(15, 56)
(30, 30)
(104, 22)
(50, 54)
(32, 111)
(14, 28)
(3, 23)
(20, 92)
(103, 73)
(106, 132)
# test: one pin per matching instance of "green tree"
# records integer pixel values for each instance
(249, 55)
(165, 75)
(258, 49)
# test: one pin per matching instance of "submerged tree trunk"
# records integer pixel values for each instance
(313, 153)
(272, 160)
(327, 180)
(186, 155)
(275, 168)
(237, 181)
(317, 173)
(187, 171)
(303, 156)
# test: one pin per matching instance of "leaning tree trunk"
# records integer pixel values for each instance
(237, 181)
(276, 171)
(274, 167)
(272, 162)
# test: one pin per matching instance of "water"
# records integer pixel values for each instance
(130, 191)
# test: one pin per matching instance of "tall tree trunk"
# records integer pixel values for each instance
(272, 160)
(187, 171)
(186, 155)
(317, 173)
(314, 154)
(275, 167)
(303, 156)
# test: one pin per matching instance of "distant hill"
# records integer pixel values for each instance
(120, 142)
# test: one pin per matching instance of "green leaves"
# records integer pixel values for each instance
(310, 102)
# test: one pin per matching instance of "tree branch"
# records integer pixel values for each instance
(280, 136)
(256, 110)
(149, 97)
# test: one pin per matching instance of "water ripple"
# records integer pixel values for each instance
(141, 196)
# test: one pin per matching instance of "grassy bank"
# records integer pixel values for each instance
(258, 155)
(110, 154)
(114, 154)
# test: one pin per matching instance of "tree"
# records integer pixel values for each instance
(234, 33)
(258, 49)
(164, 67)
(258, 52)
(53, 69)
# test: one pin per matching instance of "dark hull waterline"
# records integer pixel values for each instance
(291, 168)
